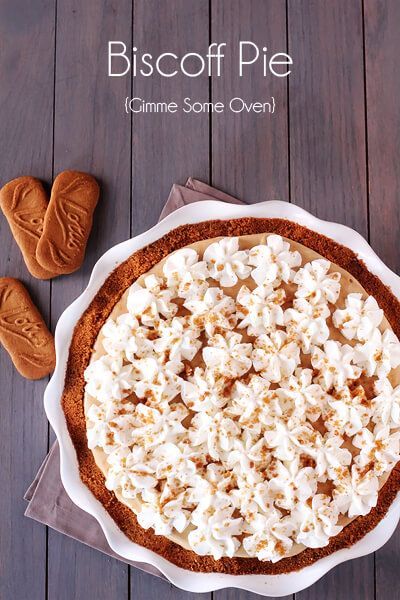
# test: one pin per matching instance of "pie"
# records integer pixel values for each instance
(233, 396)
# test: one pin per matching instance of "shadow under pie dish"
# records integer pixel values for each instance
(292, 506)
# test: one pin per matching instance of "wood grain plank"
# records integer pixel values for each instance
(167, 148)
(326, 96)
(235, 594)
(249, 150)
(79, 572)
(328, 165)
(92, 133)
(26, 106)
(382, 23)
(148, 587)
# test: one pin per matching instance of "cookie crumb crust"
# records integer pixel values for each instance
(83, 340)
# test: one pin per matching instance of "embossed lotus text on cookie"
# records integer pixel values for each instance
(23, 332)
(68, 222)
(24, 203)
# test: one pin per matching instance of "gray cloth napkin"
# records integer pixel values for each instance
(47, 500)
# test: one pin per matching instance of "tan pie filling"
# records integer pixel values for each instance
(348, 285)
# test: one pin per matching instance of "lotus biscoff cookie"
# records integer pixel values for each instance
(23, 332)
(24, 203)
(68, 221)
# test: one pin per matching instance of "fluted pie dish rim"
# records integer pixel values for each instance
(285, 219)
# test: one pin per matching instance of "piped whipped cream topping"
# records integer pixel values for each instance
(316, 283)
(273, 261)
(227, 411)
(226, 263)
(359, 319)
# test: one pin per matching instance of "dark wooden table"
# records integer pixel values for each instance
(332, 146)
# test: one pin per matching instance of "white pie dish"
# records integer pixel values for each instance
(271, 585)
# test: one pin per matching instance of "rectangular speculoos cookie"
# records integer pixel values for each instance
(24, 203)
(23, 332)
(67, 222)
